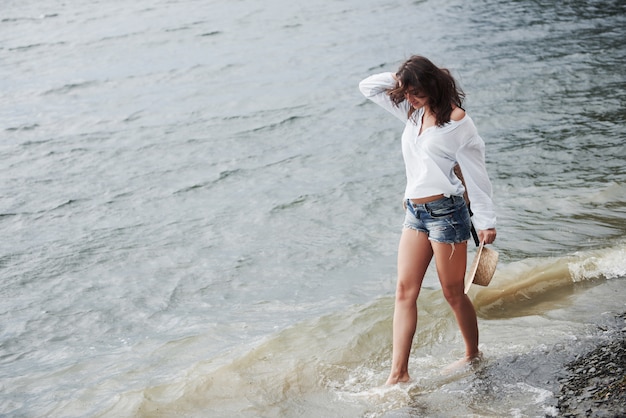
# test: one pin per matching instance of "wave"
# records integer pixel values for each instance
(288, 372)
(527, 284)
(211, 33)
(23, 127)
(67, 88)
(336, 365)
(28, 18)
(223, 175)
(271, 126)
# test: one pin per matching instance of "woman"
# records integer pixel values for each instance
(437, 136)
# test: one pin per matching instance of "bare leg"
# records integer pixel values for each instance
(451, 263)
(414, 254)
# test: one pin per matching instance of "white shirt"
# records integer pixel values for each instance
(430, 157)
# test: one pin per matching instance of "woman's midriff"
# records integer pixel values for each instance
(427, 199)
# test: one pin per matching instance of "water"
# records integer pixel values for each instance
(200, 212)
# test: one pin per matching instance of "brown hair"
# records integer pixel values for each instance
(419, 75)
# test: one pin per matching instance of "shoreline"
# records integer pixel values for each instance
(595, 385)
(582, 377)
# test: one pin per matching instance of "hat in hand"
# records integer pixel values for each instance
(483, 267)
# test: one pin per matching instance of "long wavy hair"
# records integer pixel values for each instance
(418, 75)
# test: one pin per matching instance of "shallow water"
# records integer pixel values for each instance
(200, 212)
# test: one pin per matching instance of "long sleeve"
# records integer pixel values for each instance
(430, 156)
(471, 158)
(375, 89)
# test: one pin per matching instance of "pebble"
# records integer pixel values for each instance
(596, 382)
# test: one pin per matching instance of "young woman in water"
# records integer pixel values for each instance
(437, 136)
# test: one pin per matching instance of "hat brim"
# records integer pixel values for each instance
(483, 267)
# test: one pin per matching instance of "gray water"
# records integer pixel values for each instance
(200, 213)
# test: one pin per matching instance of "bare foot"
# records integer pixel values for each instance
(393, 380)
(463, 363)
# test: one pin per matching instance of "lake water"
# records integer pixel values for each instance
(200, 212)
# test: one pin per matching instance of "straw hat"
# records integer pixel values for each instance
(483, 267)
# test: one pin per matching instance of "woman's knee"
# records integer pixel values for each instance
(454, 297)
(407, 292)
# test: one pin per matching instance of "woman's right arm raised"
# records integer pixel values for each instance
(375, 89)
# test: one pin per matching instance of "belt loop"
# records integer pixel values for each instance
(411, 208)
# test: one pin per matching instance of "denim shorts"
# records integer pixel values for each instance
(444, 220)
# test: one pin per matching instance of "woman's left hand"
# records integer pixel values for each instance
(487, 236)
